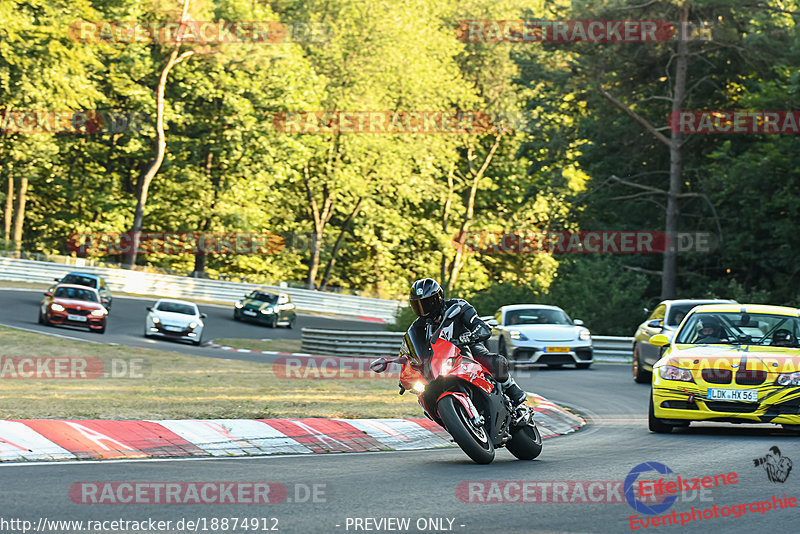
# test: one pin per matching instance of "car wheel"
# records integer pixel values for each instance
(292, 322)
(274, 322)
(198, 342)
(41, 319)
(101, 330)
(640, 376)
(583, 365)
(655, 424)
(236, 317)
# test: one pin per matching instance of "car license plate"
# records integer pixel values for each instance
(746, 395)
(79, 318)
(173, 328)
(556, 349)
(249, 312)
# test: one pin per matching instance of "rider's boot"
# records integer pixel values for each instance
(514, 392)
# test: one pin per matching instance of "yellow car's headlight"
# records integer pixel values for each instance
(788, 379)
(670, 372)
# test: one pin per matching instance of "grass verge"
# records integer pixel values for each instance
(179, 386)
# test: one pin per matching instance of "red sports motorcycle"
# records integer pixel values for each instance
(462, 396)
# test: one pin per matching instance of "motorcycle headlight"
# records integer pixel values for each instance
(516, 334)
(56, 307)
(418, 388)
(788, 379)
(193, 325)
(669, 372)
(585, 335)
(239, 304)
(98, 313)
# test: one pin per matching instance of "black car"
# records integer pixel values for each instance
(89, 280)
(665, 319)
(266, 307)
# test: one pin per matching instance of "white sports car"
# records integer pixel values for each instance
(530, 334)
(175, 319)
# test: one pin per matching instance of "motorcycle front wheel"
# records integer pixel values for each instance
(526, 443)
(474, 441)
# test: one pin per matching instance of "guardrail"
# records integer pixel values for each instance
(347, 343)
(144, 283)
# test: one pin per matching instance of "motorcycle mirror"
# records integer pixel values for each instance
(378, 365)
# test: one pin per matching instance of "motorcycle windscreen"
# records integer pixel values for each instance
(416, 346)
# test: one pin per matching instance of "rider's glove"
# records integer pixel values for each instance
(465, 338)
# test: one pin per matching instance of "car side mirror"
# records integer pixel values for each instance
(203, 315)
(57, 279)
(48, 293)
(492, 322)
(656, 323)
(577, 322)
(149, 308)
(659, 340)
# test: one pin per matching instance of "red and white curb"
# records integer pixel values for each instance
(58, 439)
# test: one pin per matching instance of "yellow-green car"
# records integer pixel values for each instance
(737, 363)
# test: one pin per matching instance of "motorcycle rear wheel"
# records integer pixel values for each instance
(473, 441)
(526, 443)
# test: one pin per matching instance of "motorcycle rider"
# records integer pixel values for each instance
(465, 330)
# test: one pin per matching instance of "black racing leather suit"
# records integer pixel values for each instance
(468, 321)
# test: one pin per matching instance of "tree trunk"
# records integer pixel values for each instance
(200, 259)
(338, 243)
(20, 215)
(161, 144)
(459, 259)
(445, 221)
(9, 213)
(670, 258)
(321, 218)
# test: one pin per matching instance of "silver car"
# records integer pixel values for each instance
(530, 334)
(175, 319)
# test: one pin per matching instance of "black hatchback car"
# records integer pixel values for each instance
(266, 307)
(89, 280)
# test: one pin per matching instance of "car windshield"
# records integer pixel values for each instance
(176, 307)
(76, 293)
(678, 311)
(264, 297)
(537, 316)
(80, 280)
(737, 328)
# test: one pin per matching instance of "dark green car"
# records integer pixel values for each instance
(266, 307)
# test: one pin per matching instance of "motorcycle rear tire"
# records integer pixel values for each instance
(456, 420)
(526, 443)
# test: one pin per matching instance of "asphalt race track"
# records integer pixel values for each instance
(125, 325)
(423, 485)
